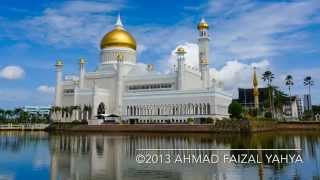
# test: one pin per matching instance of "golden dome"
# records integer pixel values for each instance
(203, 25)
(181, 50)
(118, 37)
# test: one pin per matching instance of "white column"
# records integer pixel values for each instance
(59, 83)
(180, 72)
(94, 103)
(120, 59)
(82, 72)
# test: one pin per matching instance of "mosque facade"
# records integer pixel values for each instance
(120, 87)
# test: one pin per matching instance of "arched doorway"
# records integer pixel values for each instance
(101, 109)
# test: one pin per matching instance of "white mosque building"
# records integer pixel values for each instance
(119, 87)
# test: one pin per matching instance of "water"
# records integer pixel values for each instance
(38, 155)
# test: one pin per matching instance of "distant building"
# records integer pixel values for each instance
(247, 98)
(290, 108)
(307, 102)
(41, 111)
(299, 106)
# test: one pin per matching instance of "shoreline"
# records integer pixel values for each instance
(241, 127)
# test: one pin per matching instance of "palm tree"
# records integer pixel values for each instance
(8, 114)
(308, 82)
(289, 83)
(2, 112)
(269, 76)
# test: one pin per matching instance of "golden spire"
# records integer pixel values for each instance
(255, 88)
(255, 79)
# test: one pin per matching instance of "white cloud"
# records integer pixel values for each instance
(248, 29)
(45, 89)
(236, 74)
(72, 23)
(191, 57)
(233, 74)
(12, 72)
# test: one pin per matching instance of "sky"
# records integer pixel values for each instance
(280, 36)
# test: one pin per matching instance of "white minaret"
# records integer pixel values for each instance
(203, 43)
(180, 72)
(82, 72)
(59, 85)
(120, 59)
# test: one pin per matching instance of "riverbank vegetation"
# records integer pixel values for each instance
(18, 116)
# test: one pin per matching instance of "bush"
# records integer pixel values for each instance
(307, 115)
(268, 115)
(190, 120)
(75, 122)
(84, 121)
(235, 110)
(210, 120)
(253, 112)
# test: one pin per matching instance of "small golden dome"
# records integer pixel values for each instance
(203, 25)
(181, 50)
(82, 61)
(118, 37)
(59, 63)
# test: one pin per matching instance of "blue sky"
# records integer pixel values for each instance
(281, 36)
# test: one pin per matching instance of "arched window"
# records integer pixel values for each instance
(128, 110)
(101, 109)
(208, 109)
(196, 109)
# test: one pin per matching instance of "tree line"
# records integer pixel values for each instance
(17, 115)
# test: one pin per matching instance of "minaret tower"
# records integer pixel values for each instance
(59, 86)
(255, 89)
(120, 73)
(180, 72)
(203, 43)
(82, 72)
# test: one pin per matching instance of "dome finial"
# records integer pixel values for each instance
(119, 23)
(203, 24)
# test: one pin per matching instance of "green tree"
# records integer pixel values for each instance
(2, 115)
(24, 117)
(235, 110)
(268, 76)
(308, 82)
(280, 99)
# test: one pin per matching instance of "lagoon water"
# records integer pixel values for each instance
(39, 155)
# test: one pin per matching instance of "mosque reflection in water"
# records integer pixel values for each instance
(105, 156)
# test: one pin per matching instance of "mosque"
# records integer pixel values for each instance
(119, 87)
